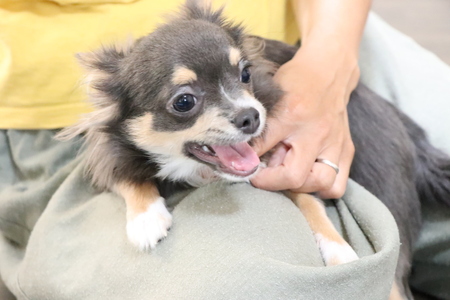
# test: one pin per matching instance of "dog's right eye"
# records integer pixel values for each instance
(245, 75)
(185, 103)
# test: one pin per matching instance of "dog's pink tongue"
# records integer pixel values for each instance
(240, 157)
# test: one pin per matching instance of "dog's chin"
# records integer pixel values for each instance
(237, 162)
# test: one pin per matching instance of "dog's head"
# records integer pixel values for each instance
(183, 95)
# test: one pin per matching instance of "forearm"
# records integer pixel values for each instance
(336, 24)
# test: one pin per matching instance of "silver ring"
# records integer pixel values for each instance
(328, 163)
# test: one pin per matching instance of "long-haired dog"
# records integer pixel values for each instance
(182, 104)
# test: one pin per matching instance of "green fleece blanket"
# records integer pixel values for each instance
(64, 240)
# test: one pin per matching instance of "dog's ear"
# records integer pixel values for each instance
(106, 59)
(104, 62)
(202, 10)
(102, 67)
(253, 46)
(275, 51)
(262, 70)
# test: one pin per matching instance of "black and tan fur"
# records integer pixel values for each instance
(136, 142)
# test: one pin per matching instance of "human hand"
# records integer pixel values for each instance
(310, 122)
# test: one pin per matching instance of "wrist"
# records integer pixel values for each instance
(330, 46)
(332, 24)
(331, 65)
(329, 58)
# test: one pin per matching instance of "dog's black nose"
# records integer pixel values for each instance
(247, 120)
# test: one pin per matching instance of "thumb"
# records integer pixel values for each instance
(274, 133)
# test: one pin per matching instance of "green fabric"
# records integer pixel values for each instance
(228, 241)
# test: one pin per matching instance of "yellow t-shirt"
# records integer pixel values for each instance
(39, 76)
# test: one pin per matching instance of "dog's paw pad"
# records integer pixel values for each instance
(335, 253)
(146, 229)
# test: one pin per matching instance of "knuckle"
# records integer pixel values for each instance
(351, 148)
(337, 191)
(327, 184)
(349, 154)
(324, 178)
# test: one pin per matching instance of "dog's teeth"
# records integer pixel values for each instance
(206, 149)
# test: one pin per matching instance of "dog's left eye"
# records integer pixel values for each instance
(245, 75)
(185, 103)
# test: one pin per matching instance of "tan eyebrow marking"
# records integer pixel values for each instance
(183, 75)
(235, 56)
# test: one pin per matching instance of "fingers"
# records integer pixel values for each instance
(284, 176)
(288, 169)
(338, 188)
(275, 133)
(322, 176)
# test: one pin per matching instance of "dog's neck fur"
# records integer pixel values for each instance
(185, 170)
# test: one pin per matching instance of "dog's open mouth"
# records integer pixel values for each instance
(238, 159)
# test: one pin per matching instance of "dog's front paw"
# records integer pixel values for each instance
(335, 252)
(147, 228)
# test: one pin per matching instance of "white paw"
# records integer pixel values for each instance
(335, 253)
(146, 229)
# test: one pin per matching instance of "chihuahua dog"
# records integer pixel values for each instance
(182, 105)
